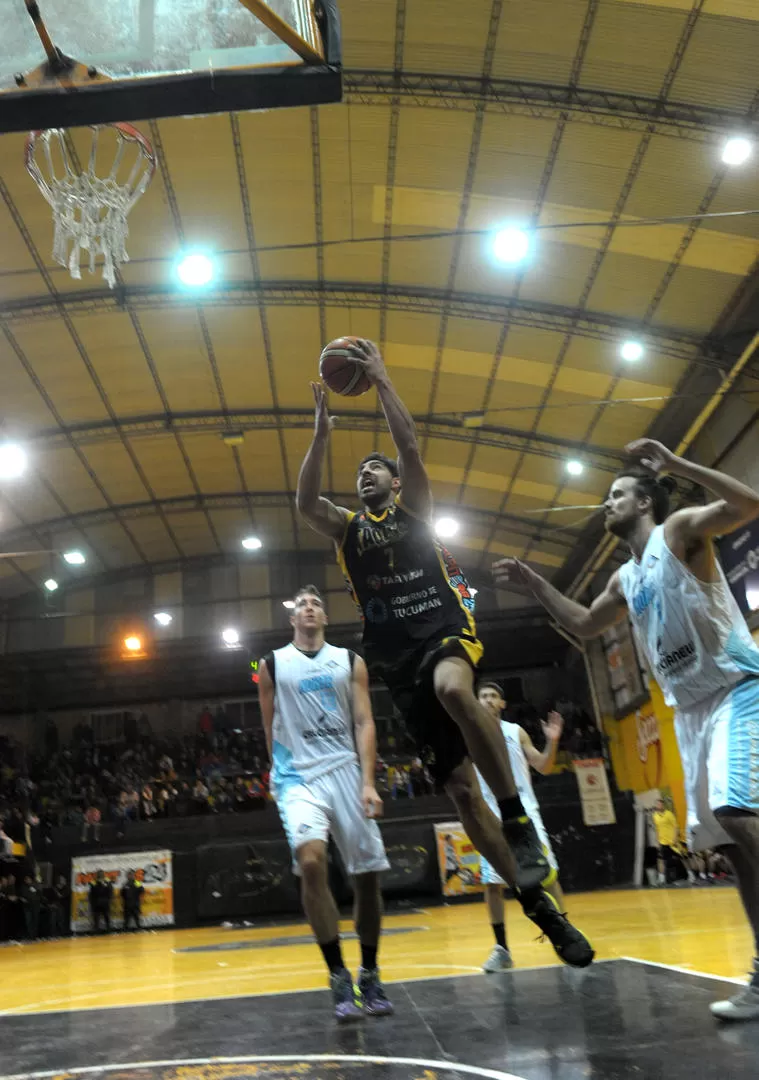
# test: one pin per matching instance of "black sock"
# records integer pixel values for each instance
(500, 934)
(333, 955)
(369, 957)
(511, 808)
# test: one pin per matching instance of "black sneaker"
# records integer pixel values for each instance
(533, 867)
(571, 946)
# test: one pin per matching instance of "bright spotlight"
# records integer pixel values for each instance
(51, 584)
(12, 461)
(631, 350)
(163, 618)
(511, 245)
(74, 558)
(737, 150)
(575, 468)
(446, 527)
(252, 543)
(230, 636)
(132, 643)
(289, 604)
(195, 270)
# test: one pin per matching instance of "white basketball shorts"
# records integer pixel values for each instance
(488, 876)
(719, 747)
(331, 806)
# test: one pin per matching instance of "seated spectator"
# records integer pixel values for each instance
(148, 805)
(91, 823)
(200, 794)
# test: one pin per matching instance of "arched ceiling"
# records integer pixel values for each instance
(456, 117)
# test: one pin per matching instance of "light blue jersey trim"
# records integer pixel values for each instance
(743, 746)
(283, 773)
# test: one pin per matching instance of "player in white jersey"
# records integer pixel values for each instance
(698, 646)
(523, 755)
(320, 732)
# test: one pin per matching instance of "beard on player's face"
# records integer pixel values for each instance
(623, 508)
(374, 484)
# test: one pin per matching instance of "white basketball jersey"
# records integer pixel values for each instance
(692, 632)
(519, 768)
(312, 729)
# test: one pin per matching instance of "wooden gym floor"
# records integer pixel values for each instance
(698, 929)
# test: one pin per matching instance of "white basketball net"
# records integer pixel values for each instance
(90, 212)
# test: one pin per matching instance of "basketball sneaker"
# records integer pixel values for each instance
(569, 944)
(373, 997)
(741, 1006)
(499, 960)
(533, 867)
(345, 997)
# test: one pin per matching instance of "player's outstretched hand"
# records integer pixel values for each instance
(652, 455)
(514, 575)
(373, 805)
(553, 725)
(368, 357)
(323, 422)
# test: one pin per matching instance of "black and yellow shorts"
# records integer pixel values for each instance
(408, 675)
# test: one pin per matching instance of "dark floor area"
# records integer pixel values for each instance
(618, 1020)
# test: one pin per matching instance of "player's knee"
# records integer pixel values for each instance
(312, 862)
(451, 694)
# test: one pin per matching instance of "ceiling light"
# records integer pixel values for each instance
(12, 461)
(163, 618)
(74, 558)
(195, 270)
(631, 350)
(230, 636)
(575, 468)
(132, 643)
(289, 604)
(737, 150)
(446, 527)
(51, 584)
(511, 245)
(252, 543)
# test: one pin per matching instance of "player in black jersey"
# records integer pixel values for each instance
(420, 639)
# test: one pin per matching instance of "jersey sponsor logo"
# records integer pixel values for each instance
(676, 660)
(643, 598)
(325, 731)
(376, 581)
(370, 535)
(376, 611)
(316, 682)
(457, 579)
(417, 608)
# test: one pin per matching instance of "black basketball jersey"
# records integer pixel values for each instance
(406, 585)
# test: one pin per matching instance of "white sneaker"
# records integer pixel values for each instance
(499, 960)
(741, 1006)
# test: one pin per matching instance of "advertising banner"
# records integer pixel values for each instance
(595, 796)
(152, 868)
(458, 861)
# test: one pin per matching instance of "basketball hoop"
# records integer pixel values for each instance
(90, 211)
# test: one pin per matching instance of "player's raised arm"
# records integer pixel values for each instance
(321, 514)
(735, 505)
(266, 703)
(542, 762)
(584, 622)
(415, 485)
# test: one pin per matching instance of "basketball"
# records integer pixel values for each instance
(339, 370)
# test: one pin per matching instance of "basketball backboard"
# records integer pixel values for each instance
(122, 60)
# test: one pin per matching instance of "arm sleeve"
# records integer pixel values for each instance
(269, 660)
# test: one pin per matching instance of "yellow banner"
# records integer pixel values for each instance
(644, 752)
(457, 859)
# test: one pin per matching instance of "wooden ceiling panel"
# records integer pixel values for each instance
(612, 63)
(191, 530)
(241, 355)
(443, 41)
(262, 460)
(161, 459)
(695, 298)
(54, 359)
(120, 364)
(212, 462)
(200, 158)
(175, 339)
(296, 345)
(66, 473)
(537, 41)
(368, 34)
(280, 188)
